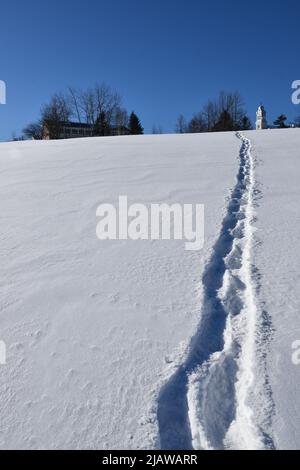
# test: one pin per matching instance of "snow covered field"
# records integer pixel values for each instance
(141, 344)
(277, 259)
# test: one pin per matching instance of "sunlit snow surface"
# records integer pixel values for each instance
(97, 330)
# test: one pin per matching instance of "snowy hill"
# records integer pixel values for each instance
(123, 344)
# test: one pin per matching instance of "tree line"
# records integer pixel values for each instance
(281, 122)
(100, 107)
(226, 113)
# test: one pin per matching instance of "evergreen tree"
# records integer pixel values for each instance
(280, 122)
(225, 122)
(196, 124)
(102, 127)
(135, 126)
(246, 124)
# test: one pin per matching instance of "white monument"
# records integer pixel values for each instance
(261, 118)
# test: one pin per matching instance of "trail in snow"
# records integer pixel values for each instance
(209, 402)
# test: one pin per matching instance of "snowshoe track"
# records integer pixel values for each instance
(210, 401)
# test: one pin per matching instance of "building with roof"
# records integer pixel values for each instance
(73, 130)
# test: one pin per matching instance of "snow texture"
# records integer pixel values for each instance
(141, 344)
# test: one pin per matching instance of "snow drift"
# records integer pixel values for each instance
(141, 344)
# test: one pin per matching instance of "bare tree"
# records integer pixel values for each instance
(120, 118)
(236, 110)
(157, 129)
(57, 112)
(87, 106)
(296, 122)
(34, 131)
(233, 104)
(180, 125)
(106, 100)
(16, 138)
(98, 101)
(59, 107)
(210, 115)
(100, 106)
(75, 102)
(196, 124)
(226, 111)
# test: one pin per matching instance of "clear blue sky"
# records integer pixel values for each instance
(166, 57)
